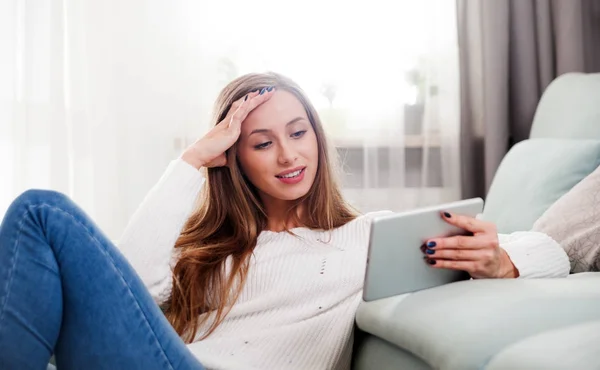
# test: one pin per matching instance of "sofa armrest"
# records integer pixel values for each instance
(462, 325)
(573, 347)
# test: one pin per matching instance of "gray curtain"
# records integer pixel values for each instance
(510, 50)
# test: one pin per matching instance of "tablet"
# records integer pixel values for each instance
(395, 263)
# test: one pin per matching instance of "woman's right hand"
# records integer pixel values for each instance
(209, 151)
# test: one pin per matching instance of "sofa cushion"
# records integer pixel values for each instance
(533, 175)
(574, 222)
(461, 326)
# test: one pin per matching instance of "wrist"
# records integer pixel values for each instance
(193, 159)
(509, 270)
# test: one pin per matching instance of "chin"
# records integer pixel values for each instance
(291, 195)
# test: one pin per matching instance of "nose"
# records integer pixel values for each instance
(287, 154)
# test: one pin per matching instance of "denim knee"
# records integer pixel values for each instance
(37, 196)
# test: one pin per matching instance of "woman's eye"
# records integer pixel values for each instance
(263, 145)
(298, 134)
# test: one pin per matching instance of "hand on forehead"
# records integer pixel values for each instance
(274, 114)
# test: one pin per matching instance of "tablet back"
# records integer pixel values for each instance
(395, 262)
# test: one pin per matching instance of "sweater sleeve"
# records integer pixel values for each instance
(535, 255)
(148, 240)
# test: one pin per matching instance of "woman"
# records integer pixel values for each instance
(266, 271)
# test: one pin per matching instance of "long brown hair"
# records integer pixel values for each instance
(230, 216)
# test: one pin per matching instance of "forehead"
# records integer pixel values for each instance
(274, 113)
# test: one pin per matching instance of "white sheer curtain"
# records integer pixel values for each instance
(96, 97)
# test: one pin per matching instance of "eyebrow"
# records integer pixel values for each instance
(261, 130)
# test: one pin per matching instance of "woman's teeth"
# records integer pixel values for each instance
(293, 174)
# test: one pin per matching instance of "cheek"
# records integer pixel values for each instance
(313, 152)
(253, 165)
(245, 161)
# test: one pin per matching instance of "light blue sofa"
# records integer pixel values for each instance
(506, 324)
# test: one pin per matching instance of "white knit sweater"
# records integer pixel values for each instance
(296, 310)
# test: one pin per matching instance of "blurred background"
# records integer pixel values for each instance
(421, 98)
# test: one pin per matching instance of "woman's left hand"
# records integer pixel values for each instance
(480, 254)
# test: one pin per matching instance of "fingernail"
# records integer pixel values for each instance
(448, 215)
(431, 245)
(246, 98)
(430, 251)
(430, 261)
(262, 91)
(270, 88)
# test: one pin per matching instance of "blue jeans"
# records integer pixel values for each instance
(66, 290)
